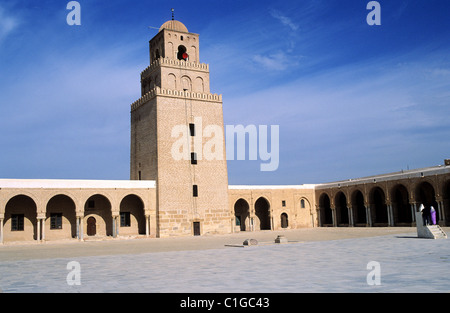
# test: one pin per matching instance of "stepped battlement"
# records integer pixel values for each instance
(157, 91)
(178, 64)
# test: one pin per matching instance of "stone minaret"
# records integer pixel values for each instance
(177, 137)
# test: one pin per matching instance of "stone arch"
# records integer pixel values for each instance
(171, 81)
(242, 214)
(359, 208)
(262, 212)
(60, 218)
(378, 207)
(199, 85)
(340, 201)
(186, 83)
(193, 54)
(20, 221)
(401, 208)
(99, 207)
(305, 203)
(425, 194)
(170, 50)
(132, 215)
(326, 214)
(284, 220)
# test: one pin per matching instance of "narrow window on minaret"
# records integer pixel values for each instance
(192, 129)
(193, 158)
(195, 191)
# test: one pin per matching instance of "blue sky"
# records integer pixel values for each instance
(351, 99)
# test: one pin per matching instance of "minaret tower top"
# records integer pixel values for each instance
(175, 61)
(174, 42)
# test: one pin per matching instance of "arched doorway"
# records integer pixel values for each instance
(341, 209)
(132, 217)
(91, 226)
(262, 212)
(425, 195)
(378, 207)
(401, 206)
(284, 220)
(99, 207)
(60, 218)
(326, 215)
(20, 223)
(359, 209)
(242, 214)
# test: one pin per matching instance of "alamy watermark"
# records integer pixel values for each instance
(74, 16)
(374, 276)
(74, 276)
(206, 143)
(374, 16)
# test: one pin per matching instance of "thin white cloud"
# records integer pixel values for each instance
(284, 20)
(7, 24)
(276, 62)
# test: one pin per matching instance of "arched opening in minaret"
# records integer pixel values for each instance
(181, 55)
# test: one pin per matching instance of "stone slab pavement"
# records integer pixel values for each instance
(314, 260)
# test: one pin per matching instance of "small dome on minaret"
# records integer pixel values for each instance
(174, 25)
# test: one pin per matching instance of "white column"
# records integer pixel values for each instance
(368, 215)
(43, 228)
(389, 214)
(78, 227)
(38, 233)
(1, 231)
(147, 226)
(114, 229)
(333, 215)
(441, 212)
(414, 210)
(81, 228)
(350, 216)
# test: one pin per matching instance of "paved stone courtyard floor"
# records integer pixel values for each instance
(314, 260)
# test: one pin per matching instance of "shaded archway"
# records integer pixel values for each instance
(425, 194)
(341, 209)
(359, 209)
(132, 216)
(401, 206)
(284, 220)
(378, 207)
(20, 223)
(262, 212)
(326, 215)
(60, 219)
(242, 214)
(99, 207)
